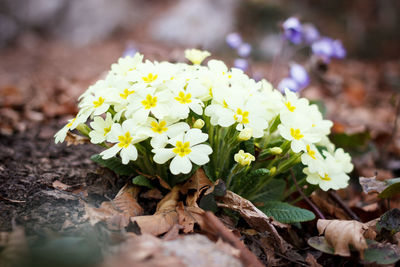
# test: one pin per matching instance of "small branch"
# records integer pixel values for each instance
(219, 229)
(343, 205)
(309, 202)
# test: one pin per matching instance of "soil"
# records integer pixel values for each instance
(30, 162)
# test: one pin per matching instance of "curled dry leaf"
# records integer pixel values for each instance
(253, 216)
(74, 139)
(195, 186)
(164, 218)
(118, 211)
(322, 200)
(371, 184)
(340, 234)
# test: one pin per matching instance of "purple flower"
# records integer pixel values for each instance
(292, 30)
(130, 50)
(234, 40)
(310, 33)
(299, 74)
(241, 63)
(244, 50)
(288, 83)
(339, 50)
(328, 48)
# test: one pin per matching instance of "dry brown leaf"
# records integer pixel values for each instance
(164, 218)
(118, 211)
(152, 193)
(253, 216)
(322, 200)
(371, 184)
(195, 186)
(310, 259)
(340, 234)
(61, 186)
(74, 139)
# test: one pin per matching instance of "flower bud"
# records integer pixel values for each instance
(276, 150)
(243, 158)
(196, 56)
(272, 171)
(245, 135)
(199, 123)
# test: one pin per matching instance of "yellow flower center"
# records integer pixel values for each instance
(296, 133)
(210, 91)
(149, 102)
(184, 99)
(107, 130)
(241, 116)
(99, 102)
(325, 178)
(159, 127)
(150, 78)
(224, 104)
(72, 122)
(126, 93)
(125, 140)
(289, 106)
(310, 152)
(182, 149)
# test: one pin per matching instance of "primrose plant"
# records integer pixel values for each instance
(166, 120)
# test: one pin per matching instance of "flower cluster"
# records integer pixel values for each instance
(166, 119)
(234, 41)
(307, 35)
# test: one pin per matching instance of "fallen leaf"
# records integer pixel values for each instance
(152, 194)
(381, 253)
(322, 200)
(164, 218)
(118, 211)
(61, 186)
(340, 234)
(371, 184)
(74, 139)
(198, 183)
(253, 216)
(389, 221)
(310, 259)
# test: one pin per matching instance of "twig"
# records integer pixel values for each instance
(337, 198)
(313, 206)
(218, 228)
(277, 253)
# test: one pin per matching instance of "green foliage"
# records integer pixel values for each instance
(247, 183)
(390, 221)
(320, 243)
(271, 191)
(357, 143)
(114, 164)
(381, 253)
(142, 181)
(392, 189)
(286, 213)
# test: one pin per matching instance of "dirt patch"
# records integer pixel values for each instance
(30, 162)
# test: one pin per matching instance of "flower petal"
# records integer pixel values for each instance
(180, 165)
(162, 155)
(195, 136)
(111, 152)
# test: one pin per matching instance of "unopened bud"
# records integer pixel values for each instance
(276, 150)
(83, 129)
(243, 158)
(272, 171)
(245, 135)
(196, 56)
(199, 123)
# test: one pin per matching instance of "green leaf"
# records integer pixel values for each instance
(248, 146)
(381, 253)
(390, 221)
(272, 191)
(114, 164)
(248, 183)
(142, 181)
(285, 213)
(392, 190)
(357, 143)
(274, 124)
(320, 243)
